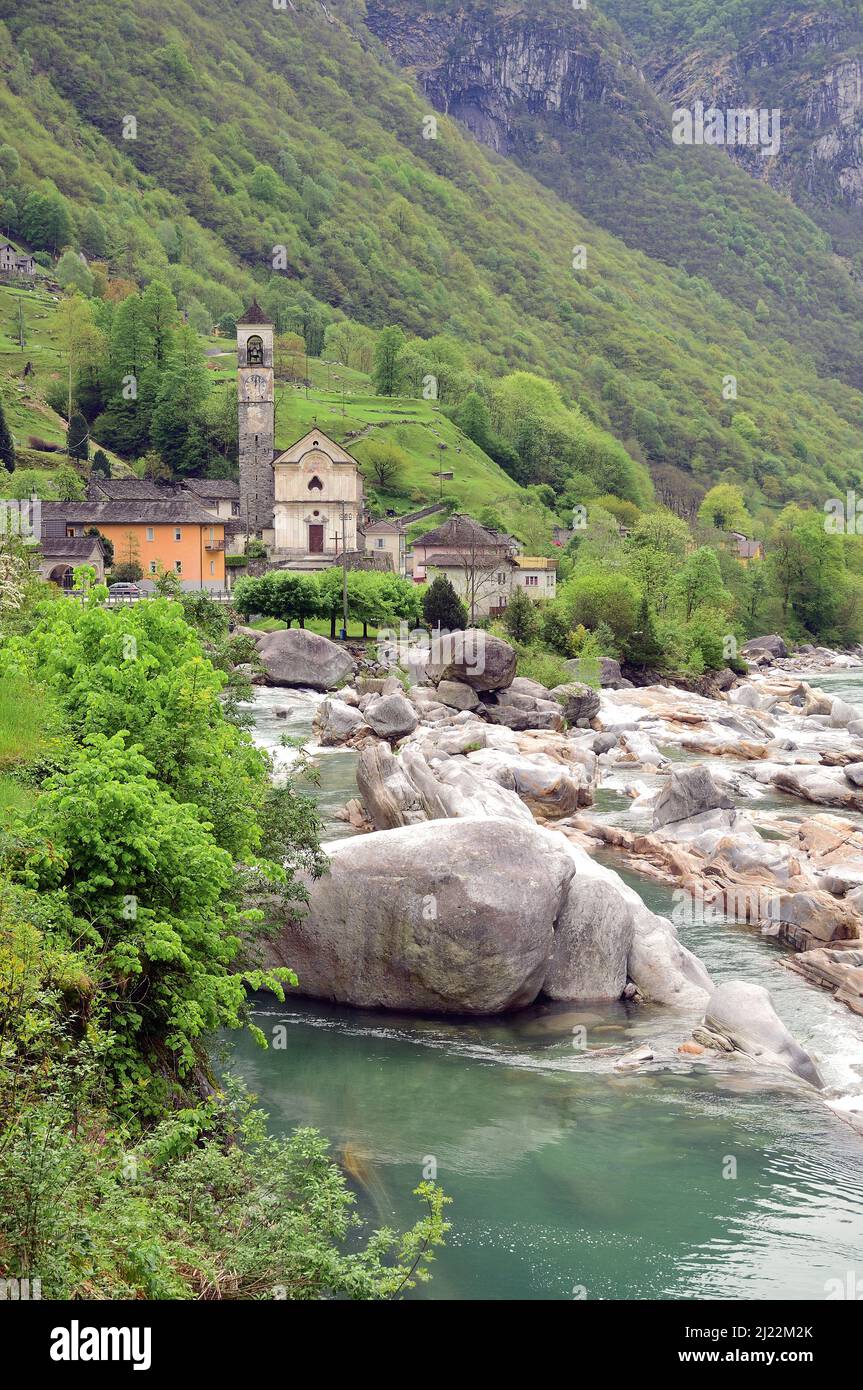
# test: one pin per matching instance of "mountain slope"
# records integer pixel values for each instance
(806, 59)
(564, 95)
(259, 129)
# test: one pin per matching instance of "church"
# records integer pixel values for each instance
(305, 503)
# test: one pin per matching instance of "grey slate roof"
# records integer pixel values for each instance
(132, 513)
(463, 531)
(127, 489)
(70, 547)
(254, 314)
(213, 487)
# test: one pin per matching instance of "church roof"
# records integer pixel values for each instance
(254, 314)
(315, 439)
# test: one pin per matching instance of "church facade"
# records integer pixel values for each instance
(318, 498)
(306, 502)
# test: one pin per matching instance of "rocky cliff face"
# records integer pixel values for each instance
(802, 65)
(526, 82)
(494, 71)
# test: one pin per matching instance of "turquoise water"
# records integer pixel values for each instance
(570, 1179)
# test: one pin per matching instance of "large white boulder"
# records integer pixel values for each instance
(592, 941)
(743, 1014)
(448, 917)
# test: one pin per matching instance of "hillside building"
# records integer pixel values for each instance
(15, 262)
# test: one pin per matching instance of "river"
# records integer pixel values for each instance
(569, 1179)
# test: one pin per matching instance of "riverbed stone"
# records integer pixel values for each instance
(510, 717)
(773, 644)
(690, 792)
(335, 722)
(842, 714)
(473, 657)
(391, 716)
(522, 685)
(592, 941)
(577, 700)
(743, 1013)
(388, 795)
(454, 917)
(457, 695)
(296, 657)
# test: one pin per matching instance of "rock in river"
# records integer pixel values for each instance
(296, 657)
(773, 644)
(391, 716)
(473, 657)
(592, 942)
(690, 792)
(743, 1014)
(446, 917)
(579, 701)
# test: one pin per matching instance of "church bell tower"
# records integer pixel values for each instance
(256, 410)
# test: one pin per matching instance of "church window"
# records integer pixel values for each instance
(255, 351)
(315, 482)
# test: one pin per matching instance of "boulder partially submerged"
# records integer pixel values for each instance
(740, 1017)
(445, 917)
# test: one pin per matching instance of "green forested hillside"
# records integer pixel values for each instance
(259, 129)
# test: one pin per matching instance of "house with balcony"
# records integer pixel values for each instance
(169, 532)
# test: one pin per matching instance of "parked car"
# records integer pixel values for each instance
(124, 591)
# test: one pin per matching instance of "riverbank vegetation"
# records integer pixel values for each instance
(127, 1169)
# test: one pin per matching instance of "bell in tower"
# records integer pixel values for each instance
(256, 411)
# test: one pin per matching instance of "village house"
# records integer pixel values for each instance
(744, 549)
(483, 565)
(536, 574)
(15, 262)
(168, 533)
(221, 496)
(387, 537)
